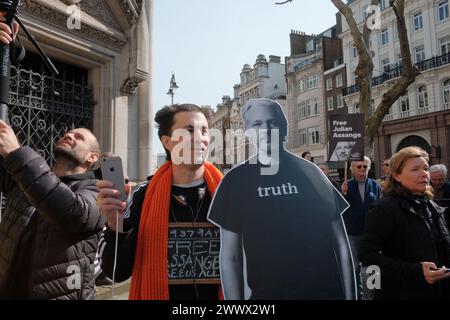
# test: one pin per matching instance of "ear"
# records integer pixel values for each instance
(395, 176)
(93, 157)
(166, 142)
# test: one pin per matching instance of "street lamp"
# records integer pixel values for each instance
(173, 86)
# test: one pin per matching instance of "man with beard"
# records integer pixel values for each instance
(50, 227)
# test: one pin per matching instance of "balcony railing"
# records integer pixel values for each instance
(404, 114)
(397, 71)
(423, 110)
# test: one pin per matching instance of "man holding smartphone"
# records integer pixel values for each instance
(180, 191)
(50, 227)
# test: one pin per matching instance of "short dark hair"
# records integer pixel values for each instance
(164, 118)
(305, 153)
(276, 108)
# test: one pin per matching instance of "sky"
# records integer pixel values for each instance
(205, 43)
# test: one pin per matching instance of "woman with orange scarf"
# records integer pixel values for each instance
(180, 191)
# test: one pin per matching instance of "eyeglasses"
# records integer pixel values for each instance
(362, 166)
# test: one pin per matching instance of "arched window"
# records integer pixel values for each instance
(446, 93)
(422, 99)
(414, 140)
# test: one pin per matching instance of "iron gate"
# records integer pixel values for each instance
(42, 108)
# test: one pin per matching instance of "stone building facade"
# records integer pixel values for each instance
(103, 51)
(311, 56)
(420, 117)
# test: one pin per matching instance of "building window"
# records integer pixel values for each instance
(417, 21)
(385, 65)
(302, 137)
(330, 103)
(329, 84)
(312, 82)
(365, 13)
(399, 59)
(301, 111)
(315, 106)
(301, 85)
(355, 52)
(309, 108)
(419, 53)
(404, 105)
(443, 10)
(339, 100)
(313, 135)
(384, 37)
(422, 99)
(445, 45)
(310, 45)
(382, 4)
(446, 89)
(354, 108)
(388, 115)
(339, 80)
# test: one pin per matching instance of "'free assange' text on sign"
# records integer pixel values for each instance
(193, 253)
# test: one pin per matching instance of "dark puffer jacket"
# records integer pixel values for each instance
(49, 230)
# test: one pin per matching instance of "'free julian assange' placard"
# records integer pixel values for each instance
(346, 139)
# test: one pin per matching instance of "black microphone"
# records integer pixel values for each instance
(10, 9)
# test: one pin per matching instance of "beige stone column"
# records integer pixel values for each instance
(145, 93)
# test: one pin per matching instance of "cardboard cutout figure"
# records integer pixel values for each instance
(282, 234)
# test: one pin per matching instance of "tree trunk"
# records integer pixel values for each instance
(364, 70)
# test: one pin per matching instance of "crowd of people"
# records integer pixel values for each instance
(391, 233)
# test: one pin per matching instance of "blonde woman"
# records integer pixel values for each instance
(406, 235)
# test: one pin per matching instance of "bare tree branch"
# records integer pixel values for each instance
(283, 2)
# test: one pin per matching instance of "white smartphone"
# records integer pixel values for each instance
(112, 170)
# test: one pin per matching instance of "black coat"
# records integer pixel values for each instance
(397, 238)
(49, 230)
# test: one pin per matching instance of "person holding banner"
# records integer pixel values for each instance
(360, 192)
(282, 235)
(180, 191)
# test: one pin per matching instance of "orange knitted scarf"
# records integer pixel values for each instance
(150, 271)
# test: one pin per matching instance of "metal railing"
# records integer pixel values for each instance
(396, 72)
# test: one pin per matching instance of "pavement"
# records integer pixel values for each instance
(121, 291)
